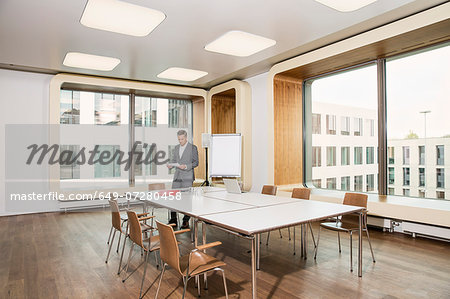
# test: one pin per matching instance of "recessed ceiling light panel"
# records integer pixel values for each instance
(92, 62)
(121, 17)
(239, 43)
(346, 5)
(181, 74)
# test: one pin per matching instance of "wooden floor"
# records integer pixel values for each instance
(62, 256)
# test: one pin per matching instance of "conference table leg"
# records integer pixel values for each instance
(258, 250)
(360, 244)
(254, 248)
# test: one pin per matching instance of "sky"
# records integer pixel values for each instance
(414, 83)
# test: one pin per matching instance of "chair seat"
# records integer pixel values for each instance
(154, 244)
(200, 262)
(340, 226)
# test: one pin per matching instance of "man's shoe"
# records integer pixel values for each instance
(173, 221)
(185, 225)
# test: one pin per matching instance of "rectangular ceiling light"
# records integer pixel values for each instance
(181, 74)
(92, 62)
(346, 5)
(239, 43)
(121, 17)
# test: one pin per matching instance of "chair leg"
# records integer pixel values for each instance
(160, 279)
(294, 238)
(370, 244)
(156, 259)
(312, 234)
(110, 232)
(351, 252)
(121, 255)
(289, 233)
(145, 271)
(268, 236)
(224, 282)
(317, 245)
(198, 286)
(110, 245)
(118, 244)
(185, 280)
(339, 241)
(281, 236)
(129, 257)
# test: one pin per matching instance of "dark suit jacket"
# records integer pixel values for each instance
(189, 158)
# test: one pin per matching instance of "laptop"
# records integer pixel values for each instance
(232, 186)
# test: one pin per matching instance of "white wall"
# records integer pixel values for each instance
(259, 127)
(24, 99)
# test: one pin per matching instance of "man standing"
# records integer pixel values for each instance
(185, 158)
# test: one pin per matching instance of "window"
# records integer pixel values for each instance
(439, 155)
(370, 124)
(391, 159)
(406, 176)
(146, 111)
(440, 178)
(421, 177)
(358, 155)
(406, 192)
(421, 155)
(317, 156)
(440, 194)
(405, 155)
(70, 170)
(417, 128)
(391, 176)
(345, 125)
(369, 155)
(358, 123)
(391, 191)
(316, 124)
(331, 156)
(179, 113)
(108, 109)
(107, 170)
(331, 124)
(317, 183)
(345, 183)
(331, 183)
(69, 107)
(171, 151)
(345, 155)
(370, 182)
(358, 183)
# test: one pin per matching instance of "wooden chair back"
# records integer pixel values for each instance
(135, 229)
(115, 215)
(168, 246)
(269, 190)
(354, 199)
(301, 193)
(156, 186)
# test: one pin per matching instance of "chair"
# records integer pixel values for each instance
(271, 190)
(302, 193)
(349, 223)
(191, 265)
(117, 219)
(155, 187)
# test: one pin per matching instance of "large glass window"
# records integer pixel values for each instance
(107, 170)
(71, 169)
(69, 107)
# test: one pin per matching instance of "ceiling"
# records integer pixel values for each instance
(36, 35)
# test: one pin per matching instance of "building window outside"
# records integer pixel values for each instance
(331, 183)
(358, 183)
(439, 155)
(317, 156)
(331, 156)
(371, 127)
(331, 124)
(406, 176)
(391, 191)
(405, 150)
(358, 155)
(440, 194)
(391, 159)
(370, 182)
(345, 155)
(440, 178)
(391, 176)
(317, 183)
(107, 109)
(345, 125)
(110, 170)
(179, 113)
(421, 155)
(316, 123)
(406, 192)
(145, 112)
(345, 183)
(69, 107)
(422, 193)
(358, 123)
(72, 170)
(421, 177)
(370, 155)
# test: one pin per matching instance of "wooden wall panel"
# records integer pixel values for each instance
(223, 113)
(287, 131)
(199, 128)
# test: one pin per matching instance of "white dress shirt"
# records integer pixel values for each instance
(182, 148)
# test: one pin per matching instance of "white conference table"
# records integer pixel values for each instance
(240, 214)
